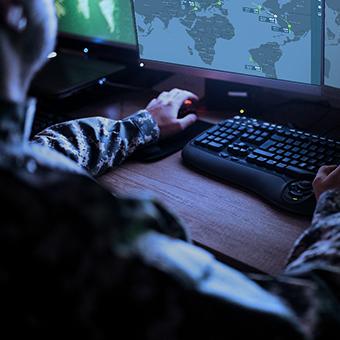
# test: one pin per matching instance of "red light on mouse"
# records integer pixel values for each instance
(188, 102)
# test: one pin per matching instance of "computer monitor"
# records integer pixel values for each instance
(99, 28)
(100, 21)
(96, 39)
(270, 43)
(332, 48)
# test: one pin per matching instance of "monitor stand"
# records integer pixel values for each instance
(68, 74)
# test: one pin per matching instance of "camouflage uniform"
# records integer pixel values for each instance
(76, 258)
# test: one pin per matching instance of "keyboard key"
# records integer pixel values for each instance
(268, 145)
(243, 152)
(201, 138)
(215, 128)
(312, 168)
(278, 138)
(261, 160)
(215, 146)
(271, 164)
(263, 153)
(303, 165)
(280, 167)
(224, 141)
(251, 158)
(278, 158)
(259, 140)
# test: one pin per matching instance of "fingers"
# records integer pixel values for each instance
(324, 171)
(179, 96)
(176, 96)
(151, 104)
(182, 93)
(187, 121)
(328, 177)
(335, 173)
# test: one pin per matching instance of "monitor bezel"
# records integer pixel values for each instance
(98, 48)
(303, 89)
(283, 85)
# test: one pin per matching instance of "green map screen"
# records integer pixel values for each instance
(109, 20)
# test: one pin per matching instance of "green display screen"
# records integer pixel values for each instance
(109, 20)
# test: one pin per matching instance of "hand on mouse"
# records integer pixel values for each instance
(165, 108)
(327, 178)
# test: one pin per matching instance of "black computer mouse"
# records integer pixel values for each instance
(188, 106)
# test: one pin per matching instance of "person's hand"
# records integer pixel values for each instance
(165, 108)
(327, 178)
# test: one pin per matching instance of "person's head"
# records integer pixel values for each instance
(27, 35)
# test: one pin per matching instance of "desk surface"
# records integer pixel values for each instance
(236, 225)
(218, 215)
(231, 222)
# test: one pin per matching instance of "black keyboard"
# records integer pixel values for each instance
(274, 161)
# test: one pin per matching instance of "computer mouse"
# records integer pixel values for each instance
(188, 106)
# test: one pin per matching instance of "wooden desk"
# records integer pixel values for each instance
(219, 216)
(225, 219)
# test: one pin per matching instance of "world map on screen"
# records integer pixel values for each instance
(268, 38)
(332, 43)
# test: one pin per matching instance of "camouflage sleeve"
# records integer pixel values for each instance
(314, 264)
(319, 246)
(98, 144)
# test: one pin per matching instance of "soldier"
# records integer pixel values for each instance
(77, 261)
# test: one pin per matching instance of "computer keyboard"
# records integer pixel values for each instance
(274, 161)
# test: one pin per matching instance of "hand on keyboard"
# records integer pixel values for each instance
(327, 178)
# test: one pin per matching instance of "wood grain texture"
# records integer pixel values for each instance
(218, 215)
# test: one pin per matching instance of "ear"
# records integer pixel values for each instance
(12, 15)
